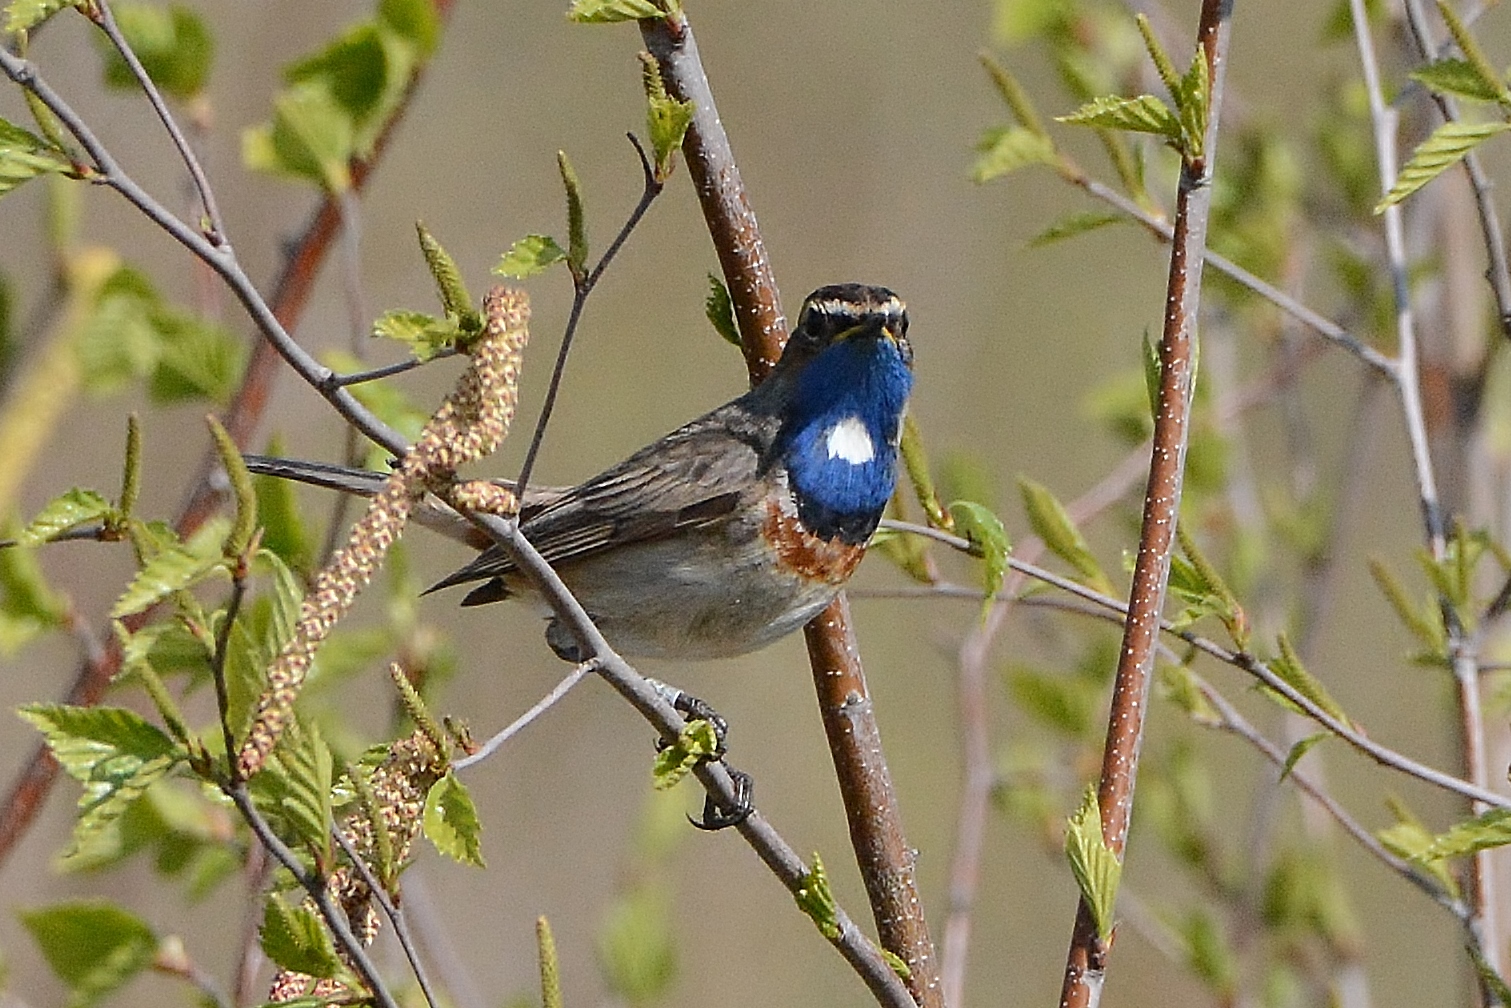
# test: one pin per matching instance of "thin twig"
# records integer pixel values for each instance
(107, 23)
(1461, 651)
(220, 258)
(581, 289)
(1238, 659)
(315, 887)
(387, 370)
(544, 704)
(391, 911)
(218, 665)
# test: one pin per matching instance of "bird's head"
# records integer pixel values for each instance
(842, 312)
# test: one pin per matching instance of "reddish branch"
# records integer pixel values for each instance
(882, 852)
(1086, 961)
(33, 784)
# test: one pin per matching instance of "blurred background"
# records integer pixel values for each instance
(854, 124)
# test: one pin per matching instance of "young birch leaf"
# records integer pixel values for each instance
(1410, 838)
(425, 335)
(1446, 147)
(1052, 523)
(577, 227)
(455, 299)
(68, 510)
(1492, 829)
(721, 311)
(610, 11)
(1009, 148)
(1299, 750)
(305, 770)
(1289, 668)
(1152, 370)
(172, 43)
(666, 118)
(451, 821)
(1072, 225)
(1191, 103)
(312, 136)
(989, 538)
(24, 155)
(530, 255)
(113, 752)
(174, 569)
(1460, 79)
(816, 899)
(295, 939)
(24, 15)
(1144, 114)
(696, 741)
(1096, 869)
(1470, 47)
(94, 947)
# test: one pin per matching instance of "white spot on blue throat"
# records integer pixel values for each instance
(849, 440)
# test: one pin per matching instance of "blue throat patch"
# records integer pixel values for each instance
(840, 438)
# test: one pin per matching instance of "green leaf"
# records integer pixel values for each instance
(1289, 668)
(1179, 685)
(69, 510)
(93, 946)
(414, 21)
(1073, 225)
(1486, 831)
(312, 137)
(24, 15)
(196, 359)
(1144, 114)
(666, 118)
(1065, 704)
(1459, 78)
(610, 11)
(1299, 750)
(172, 43)
(530, 255)
(1191, 101)
(1163, 65)
(296, 939)
(172, 570)
(1470, 47)
(816, 899)
(300, 784)
(24, 155)
(720, 310)
(695, 742)
(1410, 838)
(425, 335)
(988, 539)
(1052, 523)
(113, 752)
(451, 821)
(27, 606)
(1446, 147)
(1209, 954)
(1096, 868)
(1008, 148)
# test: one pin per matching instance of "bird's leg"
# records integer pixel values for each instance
(716, 815)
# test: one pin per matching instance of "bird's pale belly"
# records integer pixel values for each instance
(722, 593)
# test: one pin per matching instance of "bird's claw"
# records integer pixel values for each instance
(717, 815)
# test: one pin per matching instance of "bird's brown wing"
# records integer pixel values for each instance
(696, 476)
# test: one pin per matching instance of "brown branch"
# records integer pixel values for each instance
(33, 784)
(884, 857)
(1087, 958)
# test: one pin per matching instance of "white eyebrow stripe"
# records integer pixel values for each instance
(849, 440)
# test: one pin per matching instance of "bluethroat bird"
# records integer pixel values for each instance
(737, 528)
